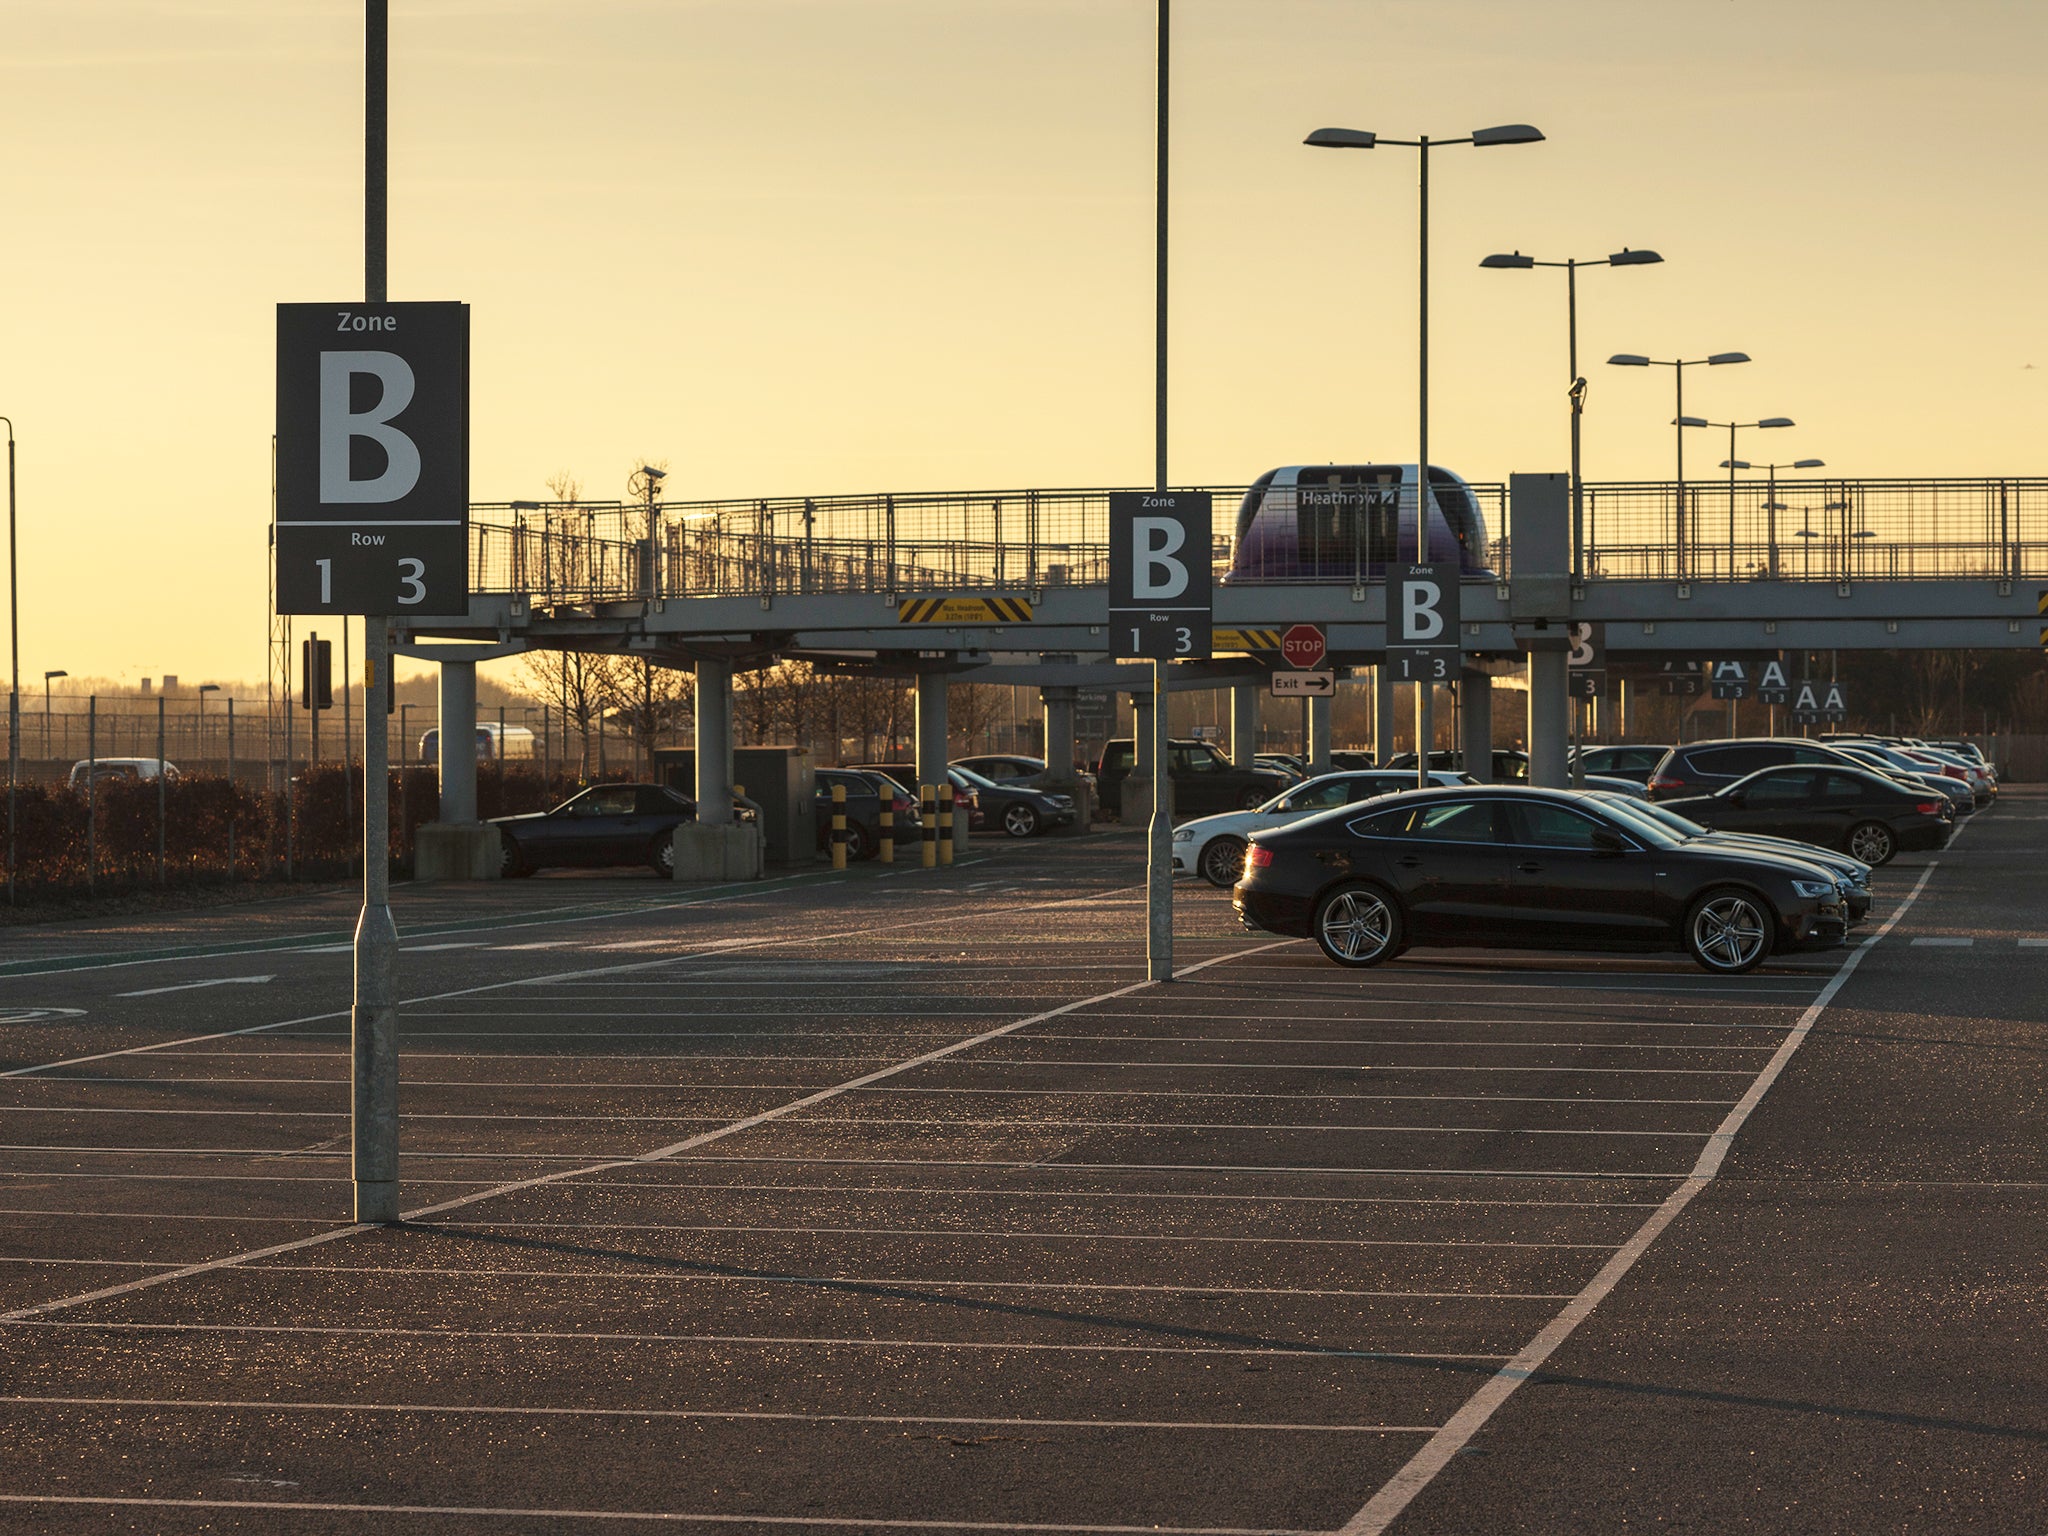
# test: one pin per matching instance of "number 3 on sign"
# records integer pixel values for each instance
(412, 589)
(1183, 641)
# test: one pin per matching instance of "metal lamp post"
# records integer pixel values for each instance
(1677, 366)
(1481, 138)
(13, 666)
(1622, 258)
(1729, 463)
(1772, 506)
(60, 672)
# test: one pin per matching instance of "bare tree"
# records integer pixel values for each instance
(572, 682)
(647, 698)
(971, 710)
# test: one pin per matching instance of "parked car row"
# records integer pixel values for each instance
(1510, 866)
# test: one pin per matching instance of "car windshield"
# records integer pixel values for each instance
(1645, 821)
(975, 779)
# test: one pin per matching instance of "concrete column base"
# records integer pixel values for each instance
(705, 852)
(446, 850)
(1137, 801)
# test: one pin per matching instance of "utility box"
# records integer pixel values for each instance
(781, 780)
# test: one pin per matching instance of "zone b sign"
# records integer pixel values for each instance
(1159, 574)
(372, 459)
(1422, 622)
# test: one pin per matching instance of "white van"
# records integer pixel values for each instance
(518, 743)
(104, 768)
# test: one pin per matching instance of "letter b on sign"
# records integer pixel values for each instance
(340, 427)
(1159, 574)
(1422, 620)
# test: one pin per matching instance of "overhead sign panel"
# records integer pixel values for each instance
(373, 458)
(1423, 623)
(1772, 686)
(1730, 680)
(1245, 639)
(964, 610)
(1159, 574)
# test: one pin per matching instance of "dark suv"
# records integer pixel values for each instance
(1204, 780)
(1701, 767)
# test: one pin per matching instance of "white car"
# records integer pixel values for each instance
(1213, 846)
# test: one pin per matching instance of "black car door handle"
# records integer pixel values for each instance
(1409, 861)
(1530, 867)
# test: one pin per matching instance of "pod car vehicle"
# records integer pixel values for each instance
(1213, 846)
(1533, 868)
(1851, 873)
(1860, 812)
(1350, 522)
(607, 825)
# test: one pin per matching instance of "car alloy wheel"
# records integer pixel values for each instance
(1873, 843)
(1223, 861)
(1728, 932)
(661, 858)
(1358, 925)
(512, 864)
(1020, 820)
(1253, 798)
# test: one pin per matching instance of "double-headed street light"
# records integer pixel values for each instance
(1729, 463)
(1678, 367)
(1622, 258)
(1773, 506)
(1480, 138)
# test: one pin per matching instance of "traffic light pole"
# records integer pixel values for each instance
(373, 1018)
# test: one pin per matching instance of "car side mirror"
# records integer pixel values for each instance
(1607, 842)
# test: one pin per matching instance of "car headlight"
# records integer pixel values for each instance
(1812, 889)
(1061, 802)
(1183, 834)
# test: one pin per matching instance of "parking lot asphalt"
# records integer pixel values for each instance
(899, 1200)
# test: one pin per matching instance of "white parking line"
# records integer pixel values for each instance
(272, 1406)
(648, 1517)
(1940, 943)
(1395, 1495)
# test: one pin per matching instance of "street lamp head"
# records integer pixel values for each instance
(525, 506)
(1808, 464)
(1776, 421)
(652, 473)
(1735, 464)
(209, 687)
(1728, 357)
(1692, 421)
(1628, 360)
(60, 672)
(1508, 133)
(1515, 260)
(1628, 258)
(1341, 138)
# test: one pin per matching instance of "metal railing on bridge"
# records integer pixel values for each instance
(575, 554)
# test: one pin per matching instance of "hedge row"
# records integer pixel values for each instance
(58, 832)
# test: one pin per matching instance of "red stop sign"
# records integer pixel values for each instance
(1302, 646)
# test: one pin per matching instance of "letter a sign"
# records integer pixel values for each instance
(1159, 574)
(373, 459)
(1423, 641)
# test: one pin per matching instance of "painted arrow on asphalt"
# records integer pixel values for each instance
(187, 986)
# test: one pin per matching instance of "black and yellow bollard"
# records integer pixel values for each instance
(885, 842)
(839, 826)
(928, 807)
(946, 823)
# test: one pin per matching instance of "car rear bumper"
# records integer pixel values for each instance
(1268, 912)
(1926, 837)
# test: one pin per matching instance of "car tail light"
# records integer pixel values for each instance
(1665, 781)
(1256, 857)
(1930, 807)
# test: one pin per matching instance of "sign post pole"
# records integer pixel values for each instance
(1159, 610)
(373, 1018)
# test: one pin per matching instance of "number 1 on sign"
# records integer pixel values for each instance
(326, 580)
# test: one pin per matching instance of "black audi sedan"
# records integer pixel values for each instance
(1851, 874)
(1860, 812)
(607, 824)
(1527, 868)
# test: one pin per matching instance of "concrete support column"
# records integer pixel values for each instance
(1321, 713)
(1382, 713)
(1549, 712)
(458, 743)
(713, 706)
(1059, 733)
(1475, 696)
(1244, 723)
(932, 756)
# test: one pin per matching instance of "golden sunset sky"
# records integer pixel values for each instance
(800, 246)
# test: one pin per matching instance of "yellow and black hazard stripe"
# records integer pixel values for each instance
(2041, 600)
(1244, 640)
(964, 610)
